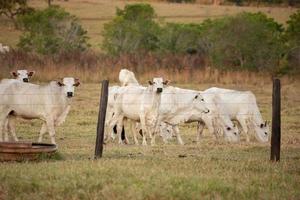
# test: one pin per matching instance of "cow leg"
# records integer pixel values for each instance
(244, 126)
(177, 132)
(12, 127)
(143, 126)
(200, 127)
(119, 129)
(51, 130)
(6, 129)
(42, 132)
(3, 120)
(134, 130)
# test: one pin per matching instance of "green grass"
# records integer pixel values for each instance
(208, 170)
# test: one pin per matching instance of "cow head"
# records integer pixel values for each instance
(68, 84)
(22, 75)
(200, 103)
(231, 132)
(262, 131)
(158, 84)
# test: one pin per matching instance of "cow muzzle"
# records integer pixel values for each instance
(69, 94)
(159, 90)
(206, 111)
(25, 80)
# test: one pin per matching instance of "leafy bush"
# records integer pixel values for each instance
(292, 33)
(51, 31)
(13, 8)
(132, 30)
(179, 38)
(292, 38)
(246, 41)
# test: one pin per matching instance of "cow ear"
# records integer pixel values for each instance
(14, 74)
(150, 82)
(60, 83)
(266, 123)
(77, 83)
(166, 82)
(31, 73)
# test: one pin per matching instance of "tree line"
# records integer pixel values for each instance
(246, 41)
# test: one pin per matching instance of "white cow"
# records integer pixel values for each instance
(50, 103)
(127, 78)
(139, 104)
(217, 120)
(22, 75)
(242, 106)
(180, 106)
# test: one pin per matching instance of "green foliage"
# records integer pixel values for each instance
(292, 38)
(292, 33)
(51, 31)
(12, 8)
(246, 41)
(132, 30)
(179, 38)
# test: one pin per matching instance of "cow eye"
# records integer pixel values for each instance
(261, 125)
(196, 96)
(228, 128)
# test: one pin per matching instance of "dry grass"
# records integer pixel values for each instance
(209, 170)
(94, 13)
(94, 67)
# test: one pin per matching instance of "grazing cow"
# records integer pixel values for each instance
(139, 104)
(214, 119)
(179, 106)
(50, 103)
(217, 120)
(127, 78)
(22, 75)
(242, 107)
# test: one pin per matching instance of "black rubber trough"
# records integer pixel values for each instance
(20, 151)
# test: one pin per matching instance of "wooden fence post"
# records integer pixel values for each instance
(276, 126)
(101, 119)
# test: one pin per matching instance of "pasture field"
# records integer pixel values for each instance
(208, 170)
(94, 13)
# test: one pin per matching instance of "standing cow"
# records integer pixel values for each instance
(23, 76)
(139, 104)
(50, 103)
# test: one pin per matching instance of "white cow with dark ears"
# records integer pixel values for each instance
(50, 103)
(139, 104)
(22, 75)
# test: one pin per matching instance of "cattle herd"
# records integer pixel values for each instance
(156, 109)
